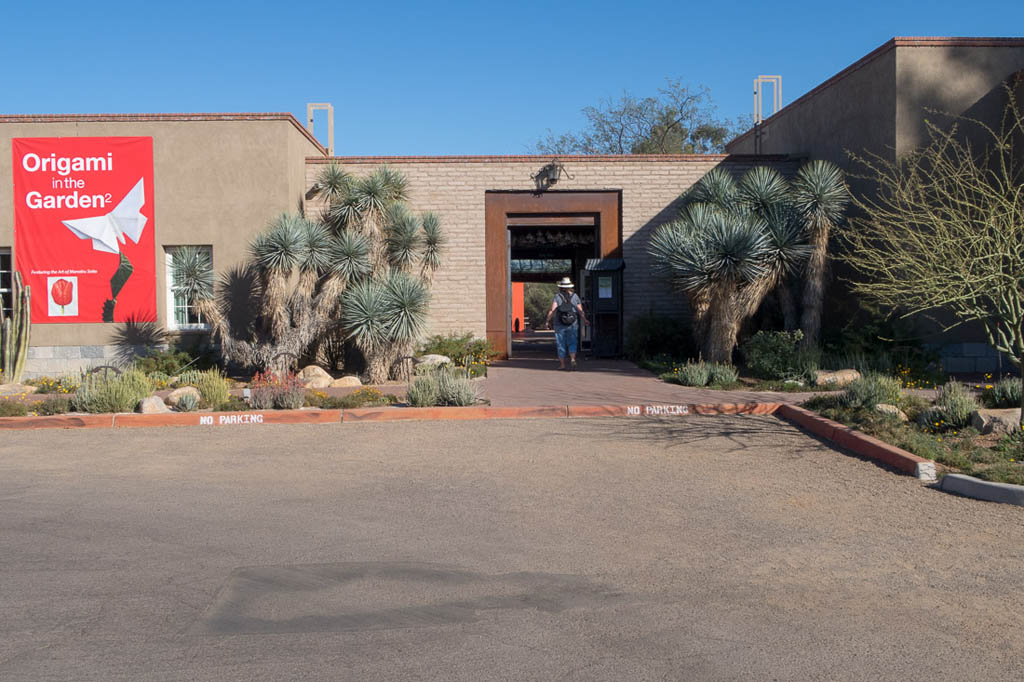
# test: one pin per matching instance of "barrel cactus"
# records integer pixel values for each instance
(14, 333)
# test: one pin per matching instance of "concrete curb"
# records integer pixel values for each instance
(859, 443)
(969, 486)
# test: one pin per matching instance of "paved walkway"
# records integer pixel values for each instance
(534, 379)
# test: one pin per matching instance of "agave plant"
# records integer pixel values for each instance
(732, 244)
(362, 271)
(820, 196)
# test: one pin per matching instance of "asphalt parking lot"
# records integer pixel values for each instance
(701, 548)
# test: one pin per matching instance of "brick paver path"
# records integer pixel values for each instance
(533, 380)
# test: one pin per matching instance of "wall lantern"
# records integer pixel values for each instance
(548, 175)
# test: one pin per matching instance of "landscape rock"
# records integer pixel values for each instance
(433, 359)
(313, 371)
(152, 405)
(892, 411)
(317, 382)
(17, 389)
(175, 395)
(345, 382)
(996, 421)
(840, 377)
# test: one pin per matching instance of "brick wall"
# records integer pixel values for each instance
(454, 187)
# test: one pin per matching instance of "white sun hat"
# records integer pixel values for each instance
(565, 283)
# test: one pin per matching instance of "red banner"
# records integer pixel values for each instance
(83, 227)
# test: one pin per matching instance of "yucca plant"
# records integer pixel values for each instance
(732, 244)
(820, 197)
(361, 272)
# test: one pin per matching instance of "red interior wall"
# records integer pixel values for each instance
(517, 305)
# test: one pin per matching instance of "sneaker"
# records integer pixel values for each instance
(573, 367)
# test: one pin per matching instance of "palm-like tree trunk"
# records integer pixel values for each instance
(723, 327)
(814, 287)
(784, 296)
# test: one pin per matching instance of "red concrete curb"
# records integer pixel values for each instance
(251, 417)
(389, 414)
(667, 410)
(859, 443)
(58, 421)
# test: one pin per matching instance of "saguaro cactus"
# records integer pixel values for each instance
(14, 333)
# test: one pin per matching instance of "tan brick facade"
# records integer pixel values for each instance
(454, 187)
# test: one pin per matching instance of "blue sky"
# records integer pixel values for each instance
(441, 77)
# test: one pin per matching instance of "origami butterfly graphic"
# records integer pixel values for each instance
(107, 232)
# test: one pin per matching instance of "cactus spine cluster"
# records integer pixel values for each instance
(14, 333)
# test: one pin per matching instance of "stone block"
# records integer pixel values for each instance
(93, 352)
(67, 352)
(40, 352)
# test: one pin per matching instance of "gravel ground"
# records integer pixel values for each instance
(718, 548)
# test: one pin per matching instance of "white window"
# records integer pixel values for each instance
(181, 314)
(6, 281)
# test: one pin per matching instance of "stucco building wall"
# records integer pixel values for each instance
(218, 178)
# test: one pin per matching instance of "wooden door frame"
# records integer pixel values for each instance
(499, 204)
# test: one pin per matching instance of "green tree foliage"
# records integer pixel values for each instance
(537, 298)
(944, 229)
(678, 120)
(732, 244)
(362, 271)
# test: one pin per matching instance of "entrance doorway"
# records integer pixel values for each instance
(542, 250)
(534, 238)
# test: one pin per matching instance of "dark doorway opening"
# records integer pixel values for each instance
(544, 248)
(560, 229)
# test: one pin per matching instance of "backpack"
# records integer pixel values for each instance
(566, 311)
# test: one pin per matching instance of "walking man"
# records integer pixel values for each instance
(567, 311)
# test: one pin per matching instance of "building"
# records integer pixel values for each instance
(215, 180)
(879, 105)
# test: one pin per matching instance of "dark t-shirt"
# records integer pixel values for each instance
(559, 300)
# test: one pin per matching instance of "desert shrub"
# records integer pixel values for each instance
(54, 404)
(283, 392)
(463, 349)
(187, 403)
(169, 361)
(650, 335)
(364, 397)
(693, 374)
(290, 394)
(931, 418)
(233, 404)
(1004, 393)
(12, 408)
(444, 387)
(190, 377)
(956, 403)
(105, 392)
(424, 391)
(213, 388)
(721, 375)
(870, 390)
(263, 390)
(776, 355)
(160, 379)
(62, 385)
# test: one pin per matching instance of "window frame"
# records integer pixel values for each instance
(7, 293)
(172, 307)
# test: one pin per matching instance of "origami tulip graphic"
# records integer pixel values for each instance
(62, 292)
